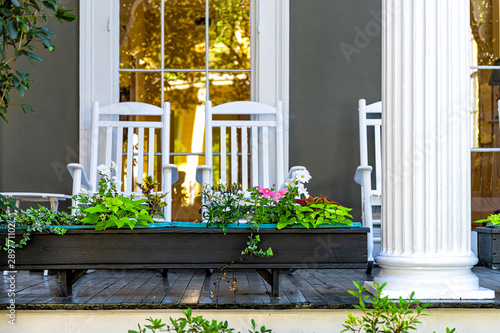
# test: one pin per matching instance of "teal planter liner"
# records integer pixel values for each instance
(201, 225)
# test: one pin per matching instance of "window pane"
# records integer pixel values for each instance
(140, 87)
(485, 89)
(140, 34)
(229, 34)
(185, 34)
(186, 93)
(485, 176)
(229, 87)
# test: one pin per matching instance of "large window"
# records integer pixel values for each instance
(184, 52)
(485, 89)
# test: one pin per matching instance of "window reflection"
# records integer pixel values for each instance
(229, 34)
(485, 93)
(140, 34)
(183, 79)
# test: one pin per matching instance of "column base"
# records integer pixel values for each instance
(431, 276)
(428, 294)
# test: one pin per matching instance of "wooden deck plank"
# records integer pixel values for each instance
(175, 293)
(208, 286)
(129, 287)
(244, 292)
(290, 291)
(116, 289)
(159, 292)
(311, 295)
(108, 290)
(193, 290)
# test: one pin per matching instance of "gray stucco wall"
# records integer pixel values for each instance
(35, 148)
(335, 59)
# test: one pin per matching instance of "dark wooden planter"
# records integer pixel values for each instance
(188, 247)
(488, 246)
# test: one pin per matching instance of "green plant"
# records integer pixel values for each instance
(117, 212)
(314, 211)
(7, 205)
(154, 200)
(41, 219)
(20, 29)
(107, 208)
(493, 218)
(193, 324)
(223, 204)
(386, 315)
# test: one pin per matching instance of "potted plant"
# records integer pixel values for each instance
(488, 241)
(250, 242)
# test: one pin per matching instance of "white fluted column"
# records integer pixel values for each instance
(426, 156)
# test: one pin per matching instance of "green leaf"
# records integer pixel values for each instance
(25, 107)
(11, 29)
(34, 56)
(20, 91)
(63, 14)
(46, 41)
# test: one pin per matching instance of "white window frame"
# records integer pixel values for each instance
(99, 54)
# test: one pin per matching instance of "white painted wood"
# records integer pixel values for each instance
(264, 173)
(254, 155)
(119, 154)
(140, 157)
(244, 159)
(223, 164)
(130, 160)
(112, 147)
(234, 155)
(426, 156)
(370, 198)
(151, 151)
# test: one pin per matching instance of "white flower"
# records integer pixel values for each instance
(83, 192)
(103, 170)
(221, 182)
(302, 176)
(117, 181)
(113, 165)
(302, 190)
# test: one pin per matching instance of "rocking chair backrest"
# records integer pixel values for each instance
(370, 119)
(129, 143)
(253, 142)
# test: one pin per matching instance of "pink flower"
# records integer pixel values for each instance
(278, 194)
(266, 193)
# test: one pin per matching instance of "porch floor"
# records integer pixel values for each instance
(182, 288)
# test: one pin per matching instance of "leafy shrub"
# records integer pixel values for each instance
(154, 200)
(193, 324)
(20, 30)
(41, 219)
(223, 205)
(386, 315)
(107, 208)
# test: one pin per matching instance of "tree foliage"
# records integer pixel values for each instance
(21, 29)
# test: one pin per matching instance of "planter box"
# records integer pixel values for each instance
(179, 246)
(488, 246)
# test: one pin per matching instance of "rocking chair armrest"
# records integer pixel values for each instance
(203, 173)
(360, 171)
(173, 171)
(81, 177)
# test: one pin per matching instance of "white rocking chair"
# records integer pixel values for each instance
(131, 145)
(370, 118)
(251, 139)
